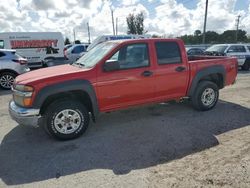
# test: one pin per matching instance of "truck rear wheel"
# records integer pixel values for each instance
(65, 120)
(205, 96)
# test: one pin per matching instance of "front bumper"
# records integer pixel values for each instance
(24, 116)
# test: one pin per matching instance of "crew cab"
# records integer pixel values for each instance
(116, 75)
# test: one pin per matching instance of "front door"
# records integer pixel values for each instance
(130, 85)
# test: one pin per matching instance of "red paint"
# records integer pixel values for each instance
(124, 88)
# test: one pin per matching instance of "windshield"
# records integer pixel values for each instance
(217, 48)
(92, 57)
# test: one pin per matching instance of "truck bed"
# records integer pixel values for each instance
(197, 63)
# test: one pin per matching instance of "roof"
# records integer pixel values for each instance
(239, 44)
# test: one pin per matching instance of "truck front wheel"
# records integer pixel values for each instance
(65, 120)
(206, 96)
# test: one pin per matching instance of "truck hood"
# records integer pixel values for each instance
(47, 73)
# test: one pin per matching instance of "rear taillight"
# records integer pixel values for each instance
(65, 54)
(21, 62)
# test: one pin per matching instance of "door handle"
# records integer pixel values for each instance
(147, 73)
(180, 69)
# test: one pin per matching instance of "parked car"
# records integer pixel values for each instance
(11, 65)
(117, 75)
(67, 46)
(194, 51)
(241, 51)
(75, 52)
(35, 46)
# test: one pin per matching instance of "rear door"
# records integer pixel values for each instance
(132, 84)
(171, 75)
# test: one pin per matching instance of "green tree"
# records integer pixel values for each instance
(229, 36)
(67, 41)
(212, 37)
(135, 24)
(197, 33)
(77, 42)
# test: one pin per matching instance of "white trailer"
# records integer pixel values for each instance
(35, 46)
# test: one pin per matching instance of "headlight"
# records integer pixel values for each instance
(22, 95)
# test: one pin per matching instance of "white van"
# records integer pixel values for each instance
(35, 46)
(104, 38)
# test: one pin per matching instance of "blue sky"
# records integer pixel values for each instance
(169, 18)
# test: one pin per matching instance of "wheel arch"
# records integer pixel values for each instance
(8, 70)
(216, 74)
(80, 90)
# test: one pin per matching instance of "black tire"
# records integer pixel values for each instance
(202, 101)
(7, 79)
(246, 66)
(53, 114)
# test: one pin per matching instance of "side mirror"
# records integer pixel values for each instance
(229, 51)
(111, 65)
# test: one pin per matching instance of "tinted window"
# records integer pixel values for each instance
(78, 49)
(132, 56)
(248, 48)
(195, 51)
(168, 53)
(237, 49)
(1, 44)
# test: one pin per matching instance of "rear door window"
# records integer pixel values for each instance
(168, 53)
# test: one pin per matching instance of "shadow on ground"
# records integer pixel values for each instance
(121, 141)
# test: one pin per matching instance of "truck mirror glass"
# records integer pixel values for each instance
(111, 65)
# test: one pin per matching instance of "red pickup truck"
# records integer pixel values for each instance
(116, 75)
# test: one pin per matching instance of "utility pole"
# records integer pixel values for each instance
(113, 21)
(74, 33)
(116, 26)
(88, 31)
(237, 27)
(205, 24)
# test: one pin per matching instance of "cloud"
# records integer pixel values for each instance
(165, 17)
(43, 4)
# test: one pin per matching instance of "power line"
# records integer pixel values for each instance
(116, 26)
(237, 27)
(112, 16)
(205, 24)
(88, 32)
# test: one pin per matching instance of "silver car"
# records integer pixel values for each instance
(11, 65)
(75, 52)
(241, 51)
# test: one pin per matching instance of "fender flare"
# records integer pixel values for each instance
(217, 69)
(67, 86)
